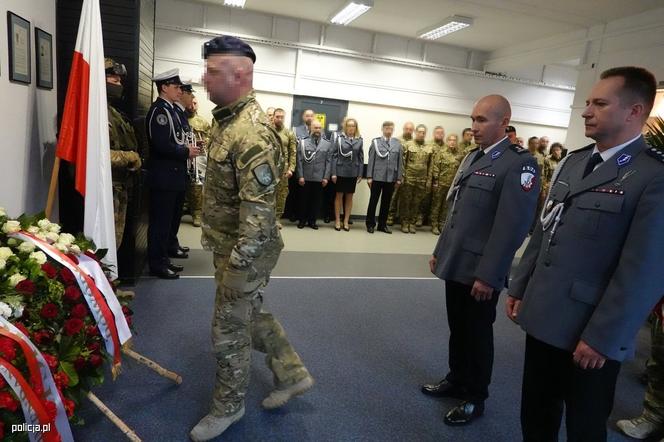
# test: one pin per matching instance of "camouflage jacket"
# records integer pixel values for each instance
(417, 160)
(546, 171)
(200, 127)
(244, 164)
(124, 157)
(444, 165)
(464, 148)
(288, 149)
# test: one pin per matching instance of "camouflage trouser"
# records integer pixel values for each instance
(282, 194)
(653, 404)
(410, 201)
(438, 205)
(195, 199)
(120, 199)
(237, 327)
(393, 214)
(425, 206)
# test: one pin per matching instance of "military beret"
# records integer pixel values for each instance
(227, 44)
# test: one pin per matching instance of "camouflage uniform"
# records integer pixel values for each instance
(653, 404)
(239, 226)
(417, 159)
(425, 209)
(444, 165)
(201, 129)
(124, 161)
(546, 172)
(393, 213)
(288, 153)
(464, 148)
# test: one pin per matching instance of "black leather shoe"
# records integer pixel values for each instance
(165, 274)
(370, 229)
(314, 226)
(300, 225)
(179, 255)
(443, 388)
(464, 413)
(184, 249)
(175, 267)
(326, 220)
(385, 230)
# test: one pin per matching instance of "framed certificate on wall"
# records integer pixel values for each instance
(44, 58)
(19, 48)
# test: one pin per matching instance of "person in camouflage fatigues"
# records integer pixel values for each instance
(407, 135)
(546, 173)
(444, 166)
(289, 156)
(201, 129)
(437, 144)
(466, 144)
(239, 227)
(417, 160)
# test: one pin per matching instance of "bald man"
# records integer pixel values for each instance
(491, 202)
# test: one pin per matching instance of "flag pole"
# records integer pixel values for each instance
(53, 187)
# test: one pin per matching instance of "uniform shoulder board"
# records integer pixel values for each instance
(657, 153)
(518, 149)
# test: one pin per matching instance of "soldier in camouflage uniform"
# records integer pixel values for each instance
(239, 226)
(408, 130)
(417, 159)
(466, 144)
(201, 129)
(437, 144)
(546, 172)
(444, 166)
(288, 154)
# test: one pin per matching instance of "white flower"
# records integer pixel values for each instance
(5, 310)
(66, 239)
(3, 263)
(60, 247)
(2, 211)
(11, 226)
(44, 224)
(5, 252)
(13, 242)
(33, 229)
(15, 279)
(18, 311)
(41, 236)
(52, 237)
(76, 250)
(40, 257)
(55, 228)
(26, 247)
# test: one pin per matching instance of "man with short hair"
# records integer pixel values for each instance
(543, 145)
(592, 271)
(406, 136)
(289, 156)
(302, 131)
(416, 162)
(510, 131)
(437, 145)
(314, 156)
(270, 114)
(466, 144)
(444, 165)
(239, 226)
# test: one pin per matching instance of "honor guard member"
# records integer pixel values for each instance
(302, 131)
(292, 207)
(289, 156)
(406, 136)
(592, 270)
(466, 144)
(125, 160)
(416, 161)
(314, 155)
(384, 174)
(437, 144)
(200, 127)
(239, 226)
(492, 199)
(444, 165)
(167, 175)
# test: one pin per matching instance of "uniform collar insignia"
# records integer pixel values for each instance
(495, 154)
(623, 159)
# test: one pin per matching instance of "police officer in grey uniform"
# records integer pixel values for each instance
(302, 131)
(493, 196)
(593, 269)
(384, 173)
(314, 154)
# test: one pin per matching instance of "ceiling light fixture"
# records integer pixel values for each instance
(351, 11)
(235, 3)
(451, 24)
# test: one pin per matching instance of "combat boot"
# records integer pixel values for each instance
(404, 227)
(279, 397)
(390, 221)
(213, 425)
(435, 230)
(412, 228)
(420, 221)
(196, 219)
(640, 427)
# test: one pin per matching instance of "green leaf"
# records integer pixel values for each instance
(69, 369)
(101, 253)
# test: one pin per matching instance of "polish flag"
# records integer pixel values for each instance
(83, 139)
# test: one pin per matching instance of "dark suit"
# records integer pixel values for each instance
(489, 201)
(594, 276)
(167, 178)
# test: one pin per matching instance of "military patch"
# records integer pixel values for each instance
(263, 174)
(495, 154)
(528, 177)
(162, 120)
(623, 159)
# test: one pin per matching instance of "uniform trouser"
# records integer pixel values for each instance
(282, 194)
(425, 207)
(438, 205)
(551, 382)
(311, 198)
(120, 200)
(653, 403)
(292, 209)
(165, 210)
(329, 194)
(410, 199)
(237, 328)
(394, 204)
(471, 340)
(379, 188)
(173, 243)
(195, 198)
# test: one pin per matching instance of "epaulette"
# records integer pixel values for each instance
(518, 149)
(657, 153)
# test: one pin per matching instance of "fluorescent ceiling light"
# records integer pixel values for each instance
(451, 24)
(351, 11)
(235, 3)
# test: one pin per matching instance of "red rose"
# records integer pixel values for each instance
(94, 346)
(79, 363)
(72, 293)
(50, 271)
(61, 379)
(49, 311)
(126, 310)
(129, 320)
(51, 361)
(23, 328)
(51, 409)
(96, 360)
(67, 276)
(69, 406)
(91, 330)
(3, 383)
(7, 401)
(26, 287)
(42, 337)
(73, 326)
(7, 349)
(79, 311)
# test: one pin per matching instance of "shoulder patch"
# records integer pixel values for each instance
(263, 174)
(518, 149)
(161, 119)
(656, 153)
(248, 156)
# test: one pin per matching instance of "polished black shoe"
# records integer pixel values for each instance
(385, 230)
(464, 413)
(370, 229)
(314, 226)
(164, 274)
(175, 267)
(326, 220)
(179, 255)
(443, 388)
(184, 249)
(300, 225)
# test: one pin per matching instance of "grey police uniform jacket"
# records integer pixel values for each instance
(318, 168)
(301, 132)
(385, 160)
(347, 156)
(599, 273)
(492, 204)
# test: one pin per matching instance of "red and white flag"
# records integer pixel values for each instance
(83, 137)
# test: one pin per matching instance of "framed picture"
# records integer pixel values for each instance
(19, 48)
(44, 58)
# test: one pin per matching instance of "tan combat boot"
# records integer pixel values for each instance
(640, 427)
(196, 219)
(212, 426)
(404, 227)
(279, 398)
(412, 228)
(435, 230)
(420, 221)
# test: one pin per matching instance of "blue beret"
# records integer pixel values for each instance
(226, 44)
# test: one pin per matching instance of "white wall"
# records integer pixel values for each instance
(27, 118)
